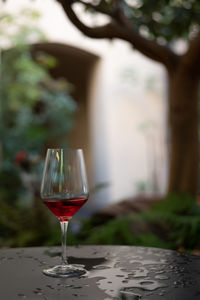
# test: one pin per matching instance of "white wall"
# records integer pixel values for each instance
(128, 120)
(131, 128)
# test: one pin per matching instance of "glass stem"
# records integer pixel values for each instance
(64, 226)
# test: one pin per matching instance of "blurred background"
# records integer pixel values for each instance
(59, 88)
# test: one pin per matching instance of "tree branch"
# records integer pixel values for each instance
(119, 27)
(192, 56)
(97, 8)
(113, 12)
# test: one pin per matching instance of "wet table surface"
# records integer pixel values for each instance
(113, 272)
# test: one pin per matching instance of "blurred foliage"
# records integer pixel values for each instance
(164, 21)
(34, 107)
(35, 110)
(173, 223)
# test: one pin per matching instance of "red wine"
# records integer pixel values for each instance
(64, 209)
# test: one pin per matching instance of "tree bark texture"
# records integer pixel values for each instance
(183, 126)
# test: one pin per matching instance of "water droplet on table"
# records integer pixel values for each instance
(38, 291)
(49, 286)
(162, 277)
(21, 295)
(128, 292)
(101, 267)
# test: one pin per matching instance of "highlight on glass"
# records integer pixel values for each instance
(64, 190)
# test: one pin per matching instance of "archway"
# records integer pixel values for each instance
(77, 67)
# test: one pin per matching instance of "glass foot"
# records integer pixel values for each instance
(65, 271)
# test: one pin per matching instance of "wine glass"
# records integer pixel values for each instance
(64, 189)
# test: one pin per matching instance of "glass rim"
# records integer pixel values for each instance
(66, 148)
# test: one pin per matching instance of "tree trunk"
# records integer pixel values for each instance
(183, 120)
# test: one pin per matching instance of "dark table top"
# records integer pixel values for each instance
(113, 272)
